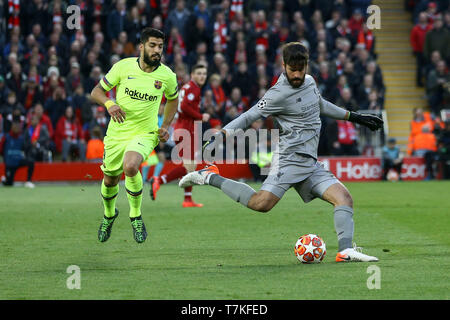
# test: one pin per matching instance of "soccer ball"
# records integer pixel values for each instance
(392, 175)
(310, 248)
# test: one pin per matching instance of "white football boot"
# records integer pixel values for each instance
(197, 177)
(354, 254)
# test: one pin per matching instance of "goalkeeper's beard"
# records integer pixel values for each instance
(151, 63)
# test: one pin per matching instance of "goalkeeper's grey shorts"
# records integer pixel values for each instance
(308, 177)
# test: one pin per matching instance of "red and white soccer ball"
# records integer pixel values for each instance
(310, 248)
(392, 175)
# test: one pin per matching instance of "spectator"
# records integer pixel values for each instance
(11, 107)
(134, 23)
(373, 69)
(116, 20)
(420, 118)
(438, 87)
(32, 94)
(242, 79)
(417, 39)
(362, 96)
(215, 84)
(356, 22)
(234, 105)
(438, 39)
(81, 106)
(425, 145)
(220, 32)
(56, 105)
(52, 83)
(336, 90)
(95, 146)
(14, 147)
(93, 79)
(342, 138)
(99, 121)
(73, 79)
(201, 12)
(374, 102)
(178, 18)
(346, 100)
(3, 91)
(40, 142)
(43, 119)
(15, 80)
(325, 80)
(69, 138)
(432, 65)
(392, 158)
(366, 38)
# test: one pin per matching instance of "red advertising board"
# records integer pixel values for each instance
(370, 169)
(344, 168)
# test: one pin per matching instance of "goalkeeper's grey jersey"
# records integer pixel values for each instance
(296, 113)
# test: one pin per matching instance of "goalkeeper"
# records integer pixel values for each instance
(133, 132)
(296, 105)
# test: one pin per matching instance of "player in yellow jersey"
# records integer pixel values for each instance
(133, 132)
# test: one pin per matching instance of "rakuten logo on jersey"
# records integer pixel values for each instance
(134, 94)
(363, 171)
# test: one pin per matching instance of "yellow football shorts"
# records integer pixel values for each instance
(115, 151)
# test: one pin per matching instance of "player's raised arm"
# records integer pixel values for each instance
(268, 105)
(330, 110)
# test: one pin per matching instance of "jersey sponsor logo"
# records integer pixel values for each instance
(158, 84)
(136, 95)
(131, 77)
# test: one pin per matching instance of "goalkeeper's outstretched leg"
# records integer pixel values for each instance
(261, 201)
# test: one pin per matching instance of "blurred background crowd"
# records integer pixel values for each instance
(47, 71)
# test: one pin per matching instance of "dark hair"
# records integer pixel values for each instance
(148, 32)
(295, 54)
(197, 66)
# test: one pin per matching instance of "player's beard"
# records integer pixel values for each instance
(152, 61)
(295, 82)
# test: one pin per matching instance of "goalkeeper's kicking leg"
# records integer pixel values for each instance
(264, 200)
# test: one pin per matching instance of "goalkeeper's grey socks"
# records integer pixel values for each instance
(238, 191)
(343, 223)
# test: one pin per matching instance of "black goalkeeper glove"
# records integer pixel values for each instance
(368, 120)
(210, 145)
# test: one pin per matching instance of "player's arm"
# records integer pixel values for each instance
(109, 81)
(99, 95)
(170, 109)
(330, 110)
(268, 105)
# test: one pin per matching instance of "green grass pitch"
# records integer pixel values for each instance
(223, 250)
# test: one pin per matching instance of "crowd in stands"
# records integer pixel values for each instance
(430, 42)
(47, 71)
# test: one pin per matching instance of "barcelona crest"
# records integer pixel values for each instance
(158, 84)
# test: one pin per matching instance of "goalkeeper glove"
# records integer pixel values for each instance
(371, 121)
(211, 143)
